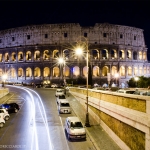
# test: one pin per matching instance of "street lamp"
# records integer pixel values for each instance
(79, 51)
(136, 79)
(116, 76)
(4, 77)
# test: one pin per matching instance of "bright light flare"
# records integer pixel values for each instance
(79, 51)
(136, 78)
(60, 60)
(116, 75)
(4, 76)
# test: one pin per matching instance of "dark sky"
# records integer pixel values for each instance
(133, 13)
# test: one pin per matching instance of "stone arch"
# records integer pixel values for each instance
(122, 71)
(66, 71)
(13, 56)
(1, 58)
(129, 70)
(121, 54)
(66, 54)
(114, 70)
(46, 72)
(104, 54)
(144, 56)
(140, 55)
(85, 71)
(37, 55)
(56, 54)
(28, 72)
(37, 72)
(20, 56)
(28, 55)
(6, 57)
(20, 72)
(134, 55)
(13, 72)
(104, 71)
(46, 55)
(56, 72)
(140, 70)
(129, 56)
(135, 71)
(76, 71)
(95, 71)
(95, 54)
(113, 54)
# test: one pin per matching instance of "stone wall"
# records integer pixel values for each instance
(124, 117)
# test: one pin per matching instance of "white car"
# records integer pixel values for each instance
(64, 107)
(60, 97)
(59, 92)
(74, 128)
(5, 113)
(2, 121)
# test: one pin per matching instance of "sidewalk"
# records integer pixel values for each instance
(98, 136)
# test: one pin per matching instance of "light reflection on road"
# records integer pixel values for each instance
(37, 107)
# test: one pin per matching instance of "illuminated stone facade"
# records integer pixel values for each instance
(29, 54)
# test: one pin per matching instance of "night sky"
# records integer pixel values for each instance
(85, 12)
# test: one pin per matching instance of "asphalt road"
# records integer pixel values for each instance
(38, 125)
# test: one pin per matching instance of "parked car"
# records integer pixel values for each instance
(64, 107)
(126, 91)
(2, 121)
(59, 92)
(38, 85)
(5, 114)
(11, 107)
(74, 128)
(54, 85)
(60, 97)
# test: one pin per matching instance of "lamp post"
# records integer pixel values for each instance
(136, 79)
(79, 51)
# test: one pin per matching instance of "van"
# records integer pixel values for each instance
(64, 107)
(74, 128)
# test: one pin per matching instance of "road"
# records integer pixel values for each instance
(38, 125)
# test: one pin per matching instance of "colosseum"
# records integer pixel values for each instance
(31, 53)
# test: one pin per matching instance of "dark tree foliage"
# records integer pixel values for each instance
(143, 82)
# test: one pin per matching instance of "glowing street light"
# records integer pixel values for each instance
(79, 51)
(136, 79)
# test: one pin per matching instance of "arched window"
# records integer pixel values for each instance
(66, 71)
(95, 71)
(114, 70)
(28, 72)
(37, 72)
(76, 71)
(129, 71)
(20, 72)
(134, 55)
(104, 71)
(46, 72)
(122, 71)
(56, 72)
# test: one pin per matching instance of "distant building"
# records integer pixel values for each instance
(29, 54)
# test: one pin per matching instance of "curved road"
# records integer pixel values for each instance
(38, 125)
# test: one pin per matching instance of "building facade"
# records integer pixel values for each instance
(30, 53)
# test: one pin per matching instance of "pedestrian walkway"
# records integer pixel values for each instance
(98, 136)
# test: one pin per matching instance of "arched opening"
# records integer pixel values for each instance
(46, 72)
(37, 55)
(13, 56)
(13, 73)
(95, 54)
(129, 54)
(76, 71)
(28, 56)
(37, 72)
(6, 57)
(1, 58)
(134, 55)
(66, 54)
(66, 71)
(95, 71)
(104, 71)
(20, 72)
(122, 71)
(28, 72)
(113, 54)
(121, 54)
(114, 70)
(140, 70)
(56, 72)
(140, 55)
(129, 71)
(144, 56)
(135, 71)
(56, 54)
(104, 54)
(46, 55)
(20, 56)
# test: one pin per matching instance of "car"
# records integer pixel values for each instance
(54, 85)
(11, 107)
(38, 85)
(64, 107)
(2, 121)
(5, 114)
(60, 97)
(126, 91)
(74, 128)
(59, 92)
